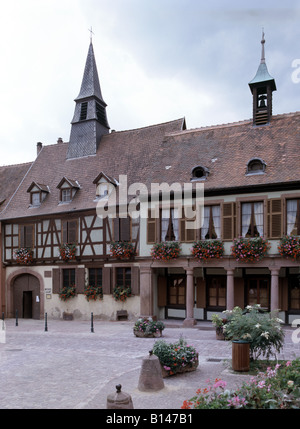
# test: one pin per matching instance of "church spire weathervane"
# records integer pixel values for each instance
(263, 59)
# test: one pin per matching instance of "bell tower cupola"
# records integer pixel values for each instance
(262, 87)
(89, 123)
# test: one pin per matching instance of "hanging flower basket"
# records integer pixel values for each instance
(67, 292)
(23, 256)
(92, 293)
(121, 293)
(289, 247)
(207, 249)
(249, 249)
(122, 250)
(67, 251)
(166, 251)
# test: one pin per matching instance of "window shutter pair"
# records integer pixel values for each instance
(69, 231)
(26, 236)
(57, 280)
(122, 229)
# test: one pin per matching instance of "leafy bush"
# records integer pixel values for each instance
(173, 356)
(256, 326)
(277, 387)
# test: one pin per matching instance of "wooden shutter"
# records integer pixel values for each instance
(229, 221)
(151, 229)
(64, 226)
(135, 280)
(125, 229)
(274, 226)
(106, 280)
(161, 291)
(116, 231)
(26, 236)
(80, 280)
(201, 293)
(72, 231)
(21, 236)
(56, 275)
(186, 234)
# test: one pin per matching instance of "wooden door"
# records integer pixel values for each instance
(26, 296)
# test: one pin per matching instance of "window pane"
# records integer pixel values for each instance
(292, 217)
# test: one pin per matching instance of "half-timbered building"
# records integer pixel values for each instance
(54, 236)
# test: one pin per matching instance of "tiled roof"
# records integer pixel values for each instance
(10, 178)
(225, 151)
(130, 153)
(168, 153)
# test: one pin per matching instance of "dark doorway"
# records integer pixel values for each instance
(27, 305)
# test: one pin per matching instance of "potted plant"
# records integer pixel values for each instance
(147, 327)
(176, 357)
(289, 247)
(93, 292)
(249, 249)
(121, 293)
(165, 251)
(23, 256)
(258, 330)
(203, 250)
(67, 251)
(67, 292)
(122, 250)
(219, 323)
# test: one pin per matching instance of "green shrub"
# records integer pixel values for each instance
(260, 328)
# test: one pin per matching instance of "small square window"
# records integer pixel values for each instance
(66, 195)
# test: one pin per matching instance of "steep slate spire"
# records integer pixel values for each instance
(262, 86)
(89, 123)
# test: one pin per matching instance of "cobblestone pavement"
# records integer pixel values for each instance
(70, 367)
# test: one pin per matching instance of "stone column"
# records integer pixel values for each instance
(274, 289)
(230, 290)
(189, 321)
(146, 292)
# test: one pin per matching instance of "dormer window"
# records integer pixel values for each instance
(68, 189)
(38, 193)
(256, 166)
(199, 173)
(104, 185)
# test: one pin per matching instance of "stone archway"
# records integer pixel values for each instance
(25, 294)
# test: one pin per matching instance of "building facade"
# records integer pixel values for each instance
(57, 232)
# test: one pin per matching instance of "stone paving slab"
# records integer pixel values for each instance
(70, 367)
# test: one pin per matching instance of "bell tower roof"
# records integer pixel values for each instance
(89, 122)
(262, 74)
(90, 86)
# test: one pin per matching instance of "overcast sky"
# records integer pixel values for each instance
(158, 60)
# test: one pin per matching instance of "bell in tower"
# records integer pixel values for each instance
(262, 87)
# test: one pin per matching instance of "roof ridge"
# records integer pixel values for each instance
(16, 165)
(148, 126)
(229, 124)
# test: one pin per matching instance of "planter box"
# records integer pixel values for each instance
(240, 356)
(220, 336)
(142, 334)
(180, 370)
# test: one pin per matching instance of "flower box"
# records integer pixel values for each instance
(67, 252)
(67, 292)
(146, 327)
(23, 256)
(249, 249)
(92, 293)
(289, 247)
(121, 293)
(176, 358)
(207, 249)
(188, 368)
(122, 250)
(165, 251)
